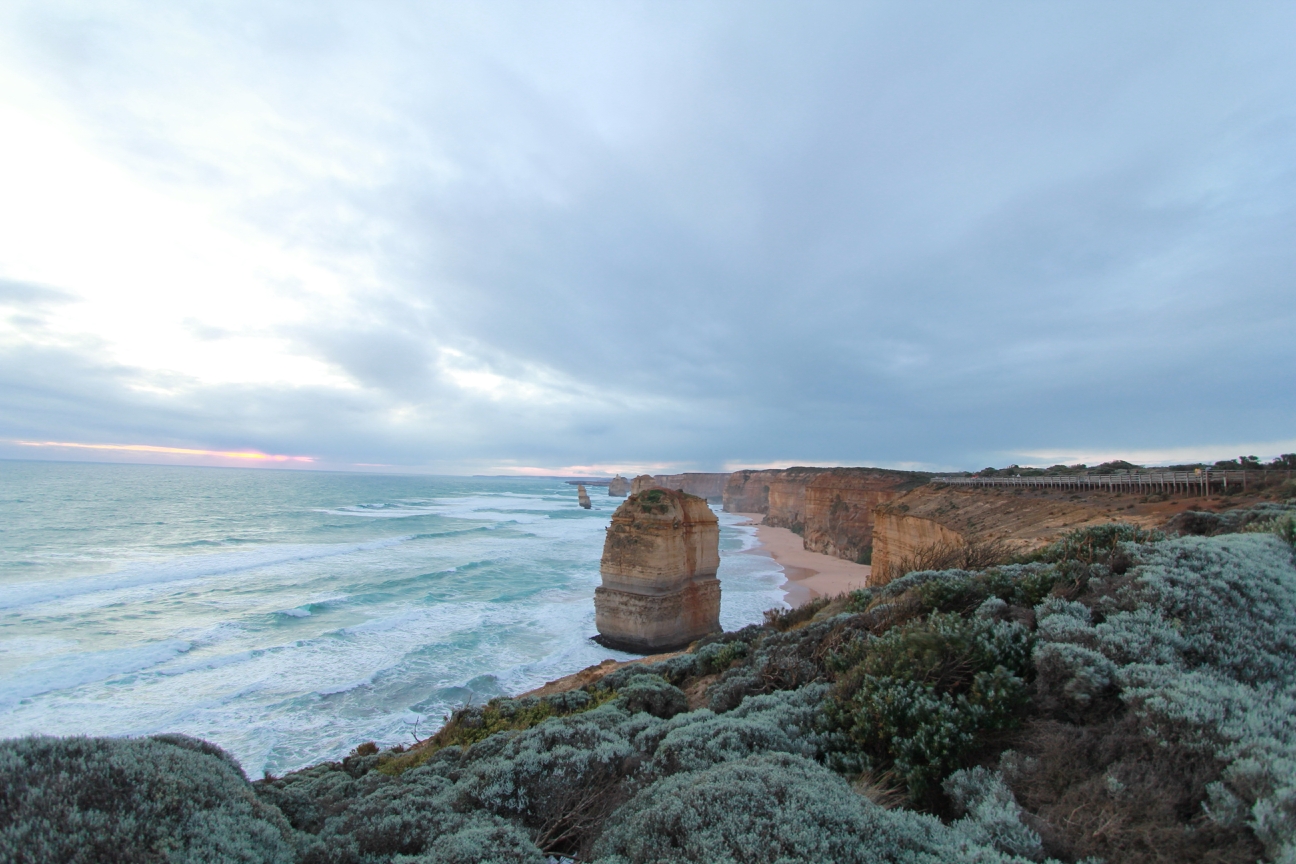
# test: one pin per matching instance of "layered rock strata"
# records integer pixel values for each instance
(643, 483)
(838, 508)
(660, 558)
(703, 485)
(583, 497)
(618, 487)
(785, 507)
(935, 516)
(747, 491)
(831, 508)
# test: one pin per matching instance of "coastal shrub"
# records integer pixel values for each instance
(769, 807)
(1200, 636)
(974, 554)
(1095, 545)
(780, 808)
(778, 661)
(1113, 792)
(719, 656)
(1021, 585)
(786, 619)
(990, 813)
(132, 799)
(782, 722)
(1283, 527)
(1227, 602)
(558, 779)
(919, 699)
(413, 818)
(653, 694)
(472, 724)
(1203, 523)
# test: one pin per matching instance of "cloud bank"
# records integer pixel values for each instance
(493, 237)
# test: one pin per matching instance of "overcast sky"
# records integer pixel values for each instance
(492, 237)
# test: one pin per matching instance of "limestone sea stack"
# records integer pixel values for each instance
(659, 590)
(583, 497)
(618, 487)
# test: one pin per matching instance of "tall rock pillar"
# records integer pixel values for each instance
(660, 558)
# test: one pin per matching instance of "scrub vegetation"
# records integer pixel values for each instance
(1121, 696)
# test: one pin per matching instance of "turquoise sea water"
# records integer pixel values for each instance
(289, 616)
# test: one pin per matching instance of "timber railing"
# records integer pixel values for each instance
(1200, 482)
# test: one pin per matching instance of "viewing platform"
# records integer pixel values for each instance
(1194, 482)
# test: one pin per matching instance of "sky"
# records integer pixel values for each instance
(549, 237)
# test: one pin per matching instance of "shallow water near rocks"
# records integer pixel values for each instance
(287, 615)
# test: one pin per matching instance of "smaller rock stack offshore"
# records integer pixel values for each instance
(659, 590)
(582, 497)
(619, 487)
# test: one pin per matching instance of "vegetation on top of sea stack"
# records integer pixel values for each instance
(1119, 696)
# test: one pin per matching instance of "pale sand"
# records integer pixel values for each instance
(810, 574)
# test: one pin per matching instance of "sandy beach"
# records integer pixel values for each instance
(810, 574)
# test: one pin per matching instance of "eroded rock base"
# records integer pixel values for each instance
(652, 623)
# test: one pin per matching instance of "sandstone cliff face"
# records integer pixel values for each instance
(708, 486)
(643, 483)
(899, 537)
(660, 558)
(787, 497)
(703, 485)
(618, 487)
(1019, 519)
(838, 508)
(748, 491)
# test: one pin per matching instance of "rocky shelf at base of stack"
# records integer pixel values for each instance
(659, 590)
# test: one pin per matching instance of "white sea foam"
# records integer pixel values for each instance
(181, 569)
(324, 633)
(67, 671)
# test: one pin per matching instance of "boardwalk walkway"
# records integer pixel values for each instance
(1192, 482)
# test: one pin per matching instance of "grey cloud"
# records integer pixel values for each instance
(891, 232)
(27, 295)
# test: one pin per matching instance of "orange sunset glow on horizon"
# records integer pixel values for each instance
(249, 455)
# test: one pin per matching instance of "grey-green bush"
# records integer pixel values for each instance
(132, 799)
(776, 807)
(1200, 638)
(917, 699)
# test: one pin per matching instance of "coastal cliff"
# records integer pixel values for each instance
(936, 517)
(839, 505)
(618, 487)
(659, 565)
(703, 485)
(785, 504)
(747, 491)
(831, 508)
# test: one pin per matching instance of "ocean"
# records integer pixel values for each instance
(290, 615)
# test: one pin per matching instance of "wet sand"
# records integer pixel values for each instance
(810, 574)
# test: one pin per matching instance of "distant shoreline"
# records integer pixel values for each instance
(810, 575)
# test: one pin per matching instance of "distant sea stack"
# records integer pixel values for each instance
(583, 497)
(618, 487)
(659, 590)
